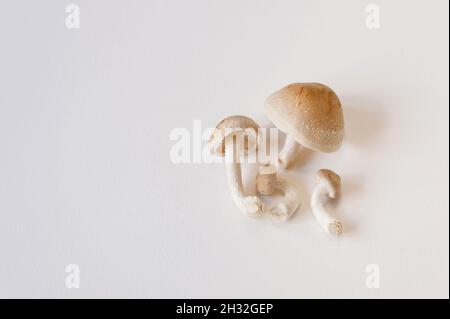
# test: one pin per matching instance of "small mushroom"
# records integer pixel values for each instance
(231, 137)
(291, 200)
(328, 187)
(310, 114)
(265, 179)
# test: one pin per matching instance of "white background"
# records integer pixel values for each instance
(85, 172)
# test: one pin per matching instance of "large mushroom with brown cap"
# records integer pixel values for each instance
(234, 136)
(329, 186)
(310, 114)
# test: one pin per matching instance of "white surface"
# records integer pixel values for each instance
(85, 174)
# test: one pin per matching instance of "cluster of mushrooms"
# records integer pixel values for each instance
(310, 114)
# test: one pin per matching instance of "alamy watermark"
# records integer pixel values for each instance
(72, 20)
(373, 276)
(72, 276)
(373, 17)
(247, 145)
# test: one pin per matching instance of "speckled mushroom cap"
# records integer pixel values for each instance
(310, 113)
(331, 180)
(233, 126)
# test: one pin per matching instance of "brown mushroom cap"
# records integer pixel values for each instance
(331, 180)
(310, 113)
(233, 126)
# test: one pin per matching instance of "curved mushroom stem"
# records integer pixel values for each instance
(249, 205)
(282, 211)
(289, 151)
(318, 199)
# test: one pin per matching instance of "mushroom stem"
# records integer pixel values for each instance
(266, 179)
(249, 205)
(318, 199)
(291, 200)
(290, 149)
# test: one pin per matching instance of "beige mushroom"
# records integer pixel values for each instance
(231, 137)
(310, 114)
(328, 187)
